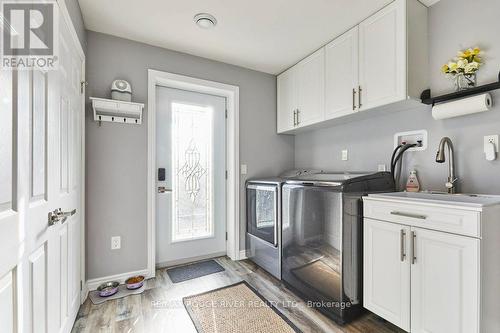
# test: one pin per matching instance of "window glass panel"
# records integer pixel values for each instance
(192, 181)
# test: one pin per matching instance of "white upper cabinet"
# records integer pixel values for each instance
(341, 75)
(382, 57)
(287, 101)
(310, 89)
(380, 64)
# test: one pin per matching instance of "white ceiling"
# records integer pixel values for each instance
(265, 35)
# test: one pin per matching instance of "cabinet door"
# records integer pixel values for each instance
(445, 283)
(341, 75)
(311, 89)
(287, 100)
(386, 271)
(382, 53)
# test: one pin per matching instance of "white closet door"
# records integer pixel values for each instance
(386, 271)
(341, 75)
(40, 156)
(382, 55)
(311, 89)
(10, 206)
(445, 283)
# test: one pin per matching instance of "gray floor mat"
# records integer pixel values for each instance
(193, 271)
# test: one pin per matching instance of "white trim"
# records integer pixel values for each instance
(231, 93)
(65, 14)
(243, 255)
(92, 284)
(76, 41)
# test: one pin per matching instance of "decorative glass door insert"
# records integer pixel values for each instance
(192, 168)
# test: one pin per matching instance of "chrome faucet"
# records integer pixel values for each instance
(440, 158)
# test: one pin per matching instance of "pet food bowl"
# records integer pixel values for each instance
(107, 289)
(135, 282)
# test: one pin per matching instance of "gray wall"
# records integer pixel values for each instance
(116, 155)
(76, 17)
(370, 142)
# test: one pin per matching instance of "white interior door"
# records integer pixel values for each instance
(191, 149)
(40, 171)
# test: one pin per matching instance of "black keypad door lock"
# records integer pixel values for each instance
(161, 174)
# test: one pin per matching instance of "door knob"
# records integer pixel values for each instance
(58, 216)
(163, 189)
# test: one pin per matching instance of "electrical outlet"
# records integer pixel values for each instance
(243, 169)
(491, 139)
(116, 242)
(345, 155)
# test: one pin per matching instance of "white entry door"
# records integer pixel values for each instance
(191, 176)
(40, 172)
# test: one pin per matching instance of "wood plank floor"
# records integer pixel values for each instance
(159, 308)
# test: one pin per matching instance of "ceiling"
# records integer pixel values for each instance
(264, 35)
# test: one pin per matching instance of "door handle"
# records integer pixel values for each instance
(163, 189)
(413, 254)
(58, 216)
(359, 97)
(353, 99)
(403, 247)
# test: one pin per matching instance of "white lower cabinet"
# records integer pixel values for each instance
(425, 280)
(444, 283)
(386, 276)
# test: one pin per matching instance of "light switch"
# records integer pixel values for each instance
(345, 155)
(243, 169)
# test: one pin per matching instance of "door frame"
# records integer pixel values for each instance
(79, 48)
(231, 93)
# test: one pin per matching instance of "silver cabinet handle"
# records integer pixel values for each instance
(163, 189)
(353, 99)
(58, 216)
(294, 117)
(403, 247)
(359, 97)
(413, 254)
(410, 215)
(298, 117)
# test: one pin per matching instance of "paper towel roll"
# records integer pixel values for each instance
(462, 107)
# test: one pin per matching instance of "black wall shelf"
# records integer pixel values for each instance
(427, 99)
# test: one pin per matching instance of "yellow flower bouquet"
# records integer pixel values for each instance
(464, 67)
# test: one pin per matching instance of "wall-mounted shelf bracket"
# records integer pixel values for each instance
(427, 99)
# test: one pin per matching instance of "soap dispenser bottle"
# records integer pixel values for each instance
(412, 185)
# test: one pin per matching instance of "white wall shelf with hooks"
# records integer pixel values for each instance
(117, 111)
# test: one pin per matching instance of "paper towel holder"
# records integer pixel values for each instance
(427, 99)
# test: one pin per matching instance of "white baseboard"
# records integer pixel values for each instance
(84, 292)
(92, 284)
(243, 255)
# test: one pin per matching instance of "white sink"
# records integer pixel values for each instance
(473, 200)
